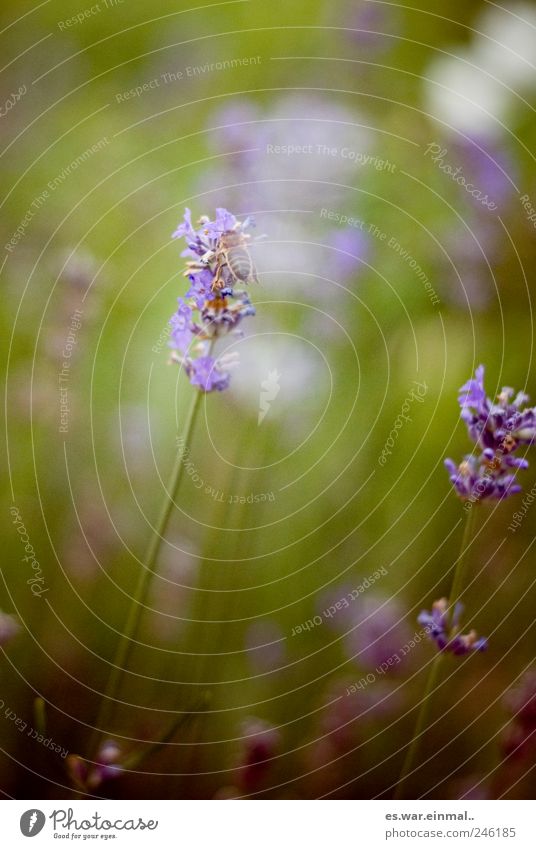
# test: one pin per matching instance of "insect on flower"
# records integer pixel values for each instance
(233, 259)
(218, 257)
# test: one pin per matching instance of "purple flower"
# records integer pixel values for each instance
(501, 425)
(379, 630)
(237, 126)
(366, 26)
(442, 626)
(472, 392)
(225, 221)
(260, 743)
(204, 240)
(212, 307)
(181, 327)
(185, 229)
(87, 775)
(204, 372)
(489, 167)
(201, 287)
(477, 478)
(498, 428)
(349, 247)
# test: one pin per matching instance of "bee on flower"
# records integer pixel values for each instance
(217, 259)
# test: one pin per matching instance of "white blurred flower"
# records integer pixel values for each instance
(297, 363)
(464, 95)
(9, 628)
(471, 91)
(510, 46)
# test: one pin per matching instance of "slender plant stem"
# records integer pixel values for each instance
(420, 727)
(137, 605)
(458, 581)
(213, 635)
(422, 720)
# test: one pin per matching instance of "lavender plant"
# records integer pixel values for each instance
(217, 260)
(212, 306)
(499, 430)
(443, 627)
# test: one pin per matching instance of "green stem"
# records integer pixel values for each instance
(422, 719)
(458, 583)
(212, 636)
(126, 642)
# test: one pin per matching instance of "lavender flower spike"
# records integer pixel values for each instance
(501, 426)
(476, 479)
(498, 429)
(444, 629)
(211, 307)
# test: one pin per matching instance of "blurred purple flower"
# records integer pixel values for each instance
(238, 124)
(490, 169)
(260, 743)
(379, 633)
(443, 627)
(366, 26)
(350, 247)
(89, 776)
(290, 148)
(282, 145)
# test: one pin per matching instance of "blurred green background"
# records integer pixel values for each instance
(345, 319)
